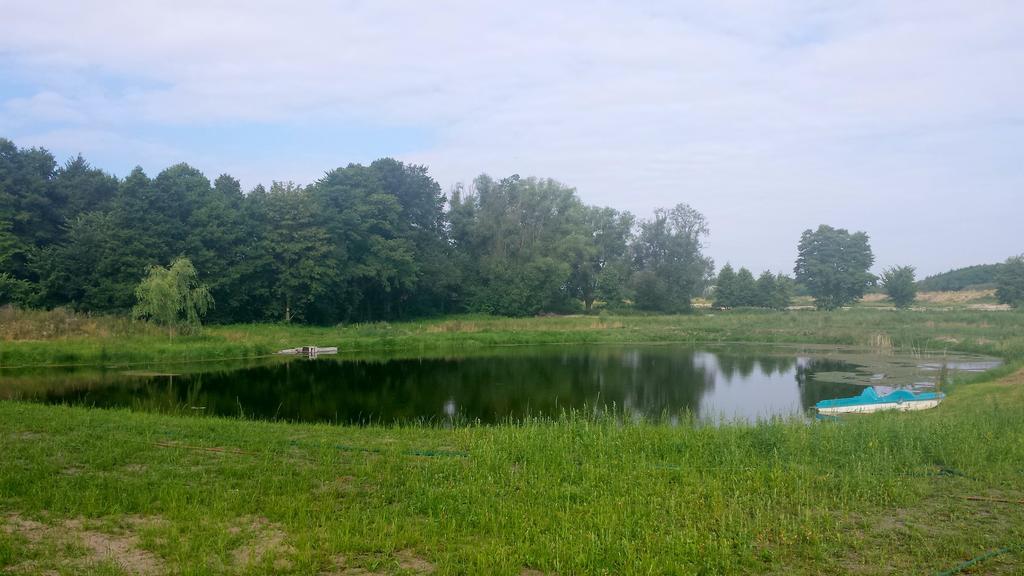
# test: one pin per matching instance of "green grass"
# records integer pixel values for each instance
(577, 495)
(879, 494)
(998, 333)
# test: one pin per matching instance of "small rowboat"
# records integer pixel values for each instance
(870, 401)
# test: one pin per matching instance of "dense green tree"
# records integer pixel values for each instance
(28, 202)
(782, 296)
(898, 284)
(172, 296)
(362, 243)
(422, 228)
(597, 249)
(1010, 282)
(513, 238)
(740, 289)
(82, 272)
(745, 289)
(725, 288)
(298, 254)
(135, 239)
(671, 267)
(80, 188)
(12, 289)
(216, 242)
(374, 263)
(833, 264)
(765, 289)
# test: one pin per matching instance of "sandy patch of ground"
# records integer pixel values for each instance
(100, 547)
(958, 297)
(408, 560)
(267, 542)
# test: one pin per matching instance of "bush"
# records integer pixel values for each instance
(898, 284)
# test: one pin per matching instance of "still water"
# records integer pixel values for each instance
(640, 381)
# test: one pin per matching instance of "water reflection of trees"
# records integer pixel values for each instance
(813, 391)
(647, 381)
(744, 366)
(650, 381)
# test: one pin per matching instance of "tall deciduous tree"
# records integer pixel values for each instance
(298, 252)
(833, 264)
(671, 267)
(515, 239)
(597, 250)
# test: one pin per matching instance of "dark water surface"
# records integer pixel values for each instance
(637, 380)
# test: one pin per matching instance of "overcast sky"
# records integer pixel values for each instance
(902, 119)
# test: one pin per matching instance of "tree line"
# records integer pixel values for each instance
(379, 242)
(362, 243)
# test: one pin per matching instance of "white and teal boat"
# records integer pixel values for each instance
(870, 401)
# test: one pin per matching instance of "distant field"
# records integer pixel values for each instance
(978, 299)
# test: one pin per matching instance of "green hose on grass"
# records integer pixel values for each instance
(961, 567)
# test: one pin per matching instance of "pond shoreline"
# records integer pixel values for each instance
(988, 333)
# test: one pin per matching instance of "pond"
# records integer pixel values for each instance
(640, 381)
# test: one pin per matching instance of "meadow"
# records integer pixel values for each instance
(87, 491)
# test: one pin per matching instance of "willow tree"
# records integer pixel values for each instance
(173, 296)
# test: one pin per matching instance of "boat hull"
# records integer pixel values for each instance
(880, 406)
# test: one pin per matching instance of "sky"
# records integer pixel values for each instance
(904, 119)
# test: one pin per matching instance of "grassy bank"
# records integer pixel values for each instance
(115, 492)
(874, 495)
(105, 340)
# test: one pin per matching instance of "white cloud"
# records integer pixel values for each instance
(769, 117)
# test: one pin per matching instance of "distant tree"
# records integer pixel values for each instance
(782, 296)
(596, 250)
(216, 244)
(82, 272)
(898, 283)
(12, 288)
(524, 247)
(745, 289)
(833, 264)
(981, 275)
(725, 288)
(303, 263)
(80, 188)
(765, 290)
(172, 296)
(1010, 282)
(671, 267)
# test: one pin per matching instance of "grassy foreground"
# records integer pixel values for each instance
(114, 492)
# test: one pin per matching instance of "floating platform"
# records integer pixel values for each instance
(308, 351)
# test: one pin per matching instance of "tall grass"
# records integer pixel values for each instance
(577, 494)
(59, 337)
